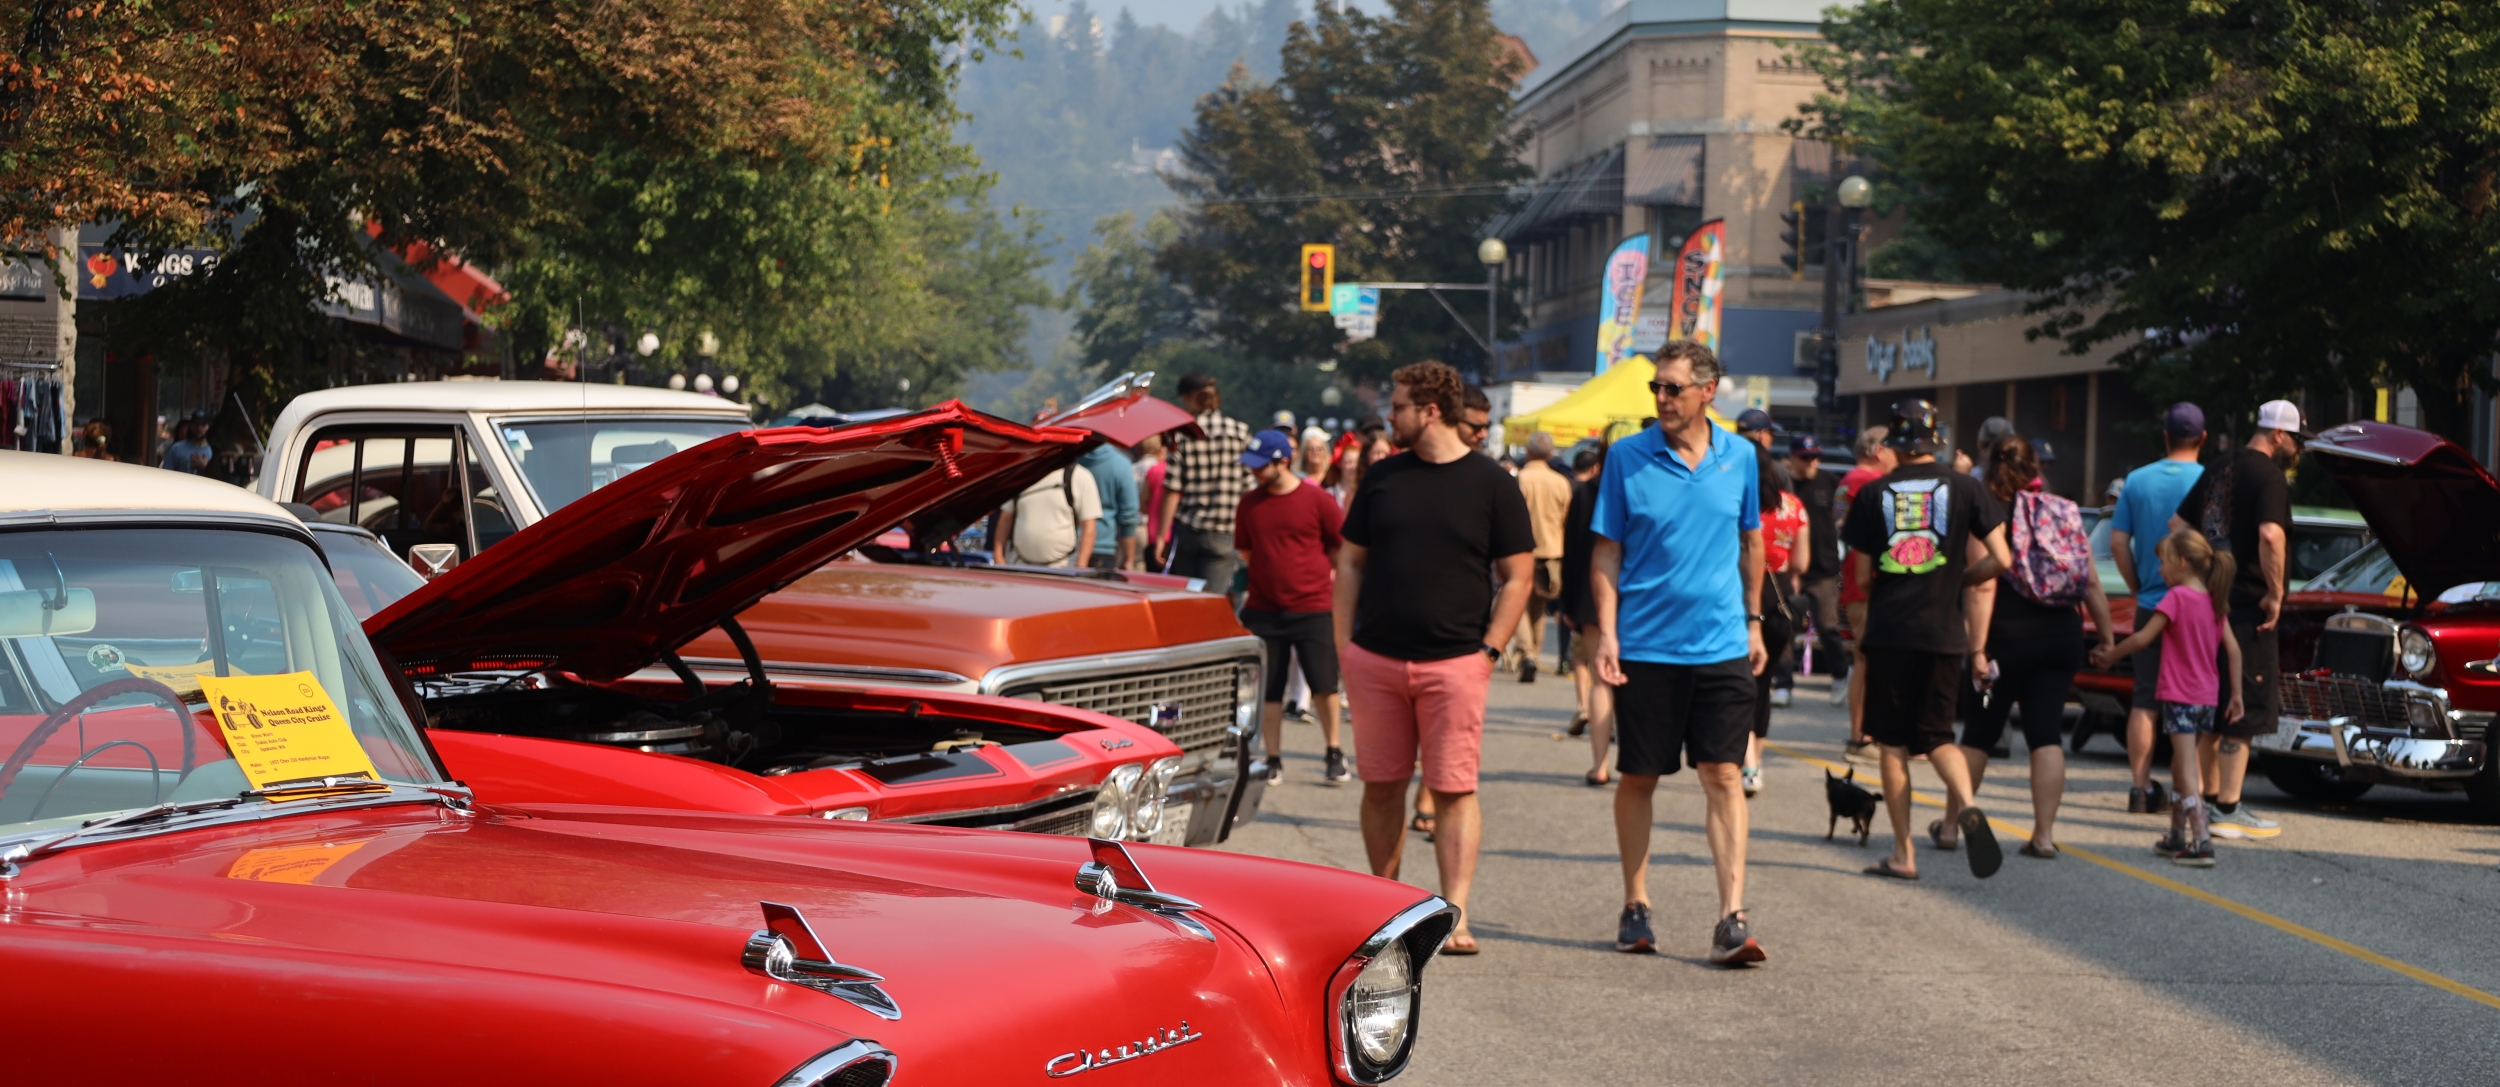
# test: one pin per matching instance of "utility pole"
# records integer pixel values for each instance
(1840, 262)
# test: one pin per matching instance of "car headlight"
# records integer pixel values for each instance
(1380, 1006)
(2415, 653)
(1378, 994)
(1146, 799)
(1111, 805)
(1246, 694)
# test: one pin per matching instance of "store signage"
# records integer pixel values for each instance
(1916, 351)
(106, 274)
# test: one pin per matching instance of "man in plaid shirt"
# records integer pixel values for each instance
(1203, 484)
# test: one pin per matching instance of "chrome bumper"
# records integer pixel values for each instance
(2396, 755)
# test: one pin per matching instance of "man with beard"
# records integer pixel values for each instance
(2246, 509)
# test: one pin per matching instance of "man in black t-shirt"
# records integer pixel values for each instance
(1820, 588)
(2252, 514)
(1912, 535)
(1416, 646)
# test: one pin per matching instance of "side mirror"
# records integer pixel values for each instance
(433, 560)
(38, 613)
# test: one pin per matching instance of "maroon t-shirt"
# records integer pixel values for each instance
(1289, 537)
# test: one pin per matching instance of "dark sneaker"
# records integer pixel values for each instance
(1275, 769)
(1336, 771)
(2171, 845)
(1632, 932)
(2139, 801)
(2197, 855)
(1527, 670)
(2156, 798)
(1732, 944)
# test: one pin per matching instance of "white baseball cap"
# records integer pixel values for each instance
(2279, 415)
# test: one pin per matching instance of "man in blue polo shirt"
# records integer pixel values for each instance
(1677, 578)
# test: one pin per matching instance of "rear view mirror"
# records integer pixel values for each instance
(433, 560)
(31, 613)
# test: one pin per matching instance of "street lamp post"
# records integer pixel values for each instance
(1840, 260)
(1494, 254)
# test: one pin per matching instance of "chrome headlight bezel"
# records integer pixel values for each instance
(1417, 933)
(1111, 802)
(1247, 688)
(1147, 798)
(2416, 654)
(842, 1058)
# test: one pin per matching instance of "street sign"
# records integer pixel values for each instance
(1359, 328)
(1356, 308)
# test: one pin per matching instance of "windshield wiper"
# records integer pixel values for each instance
(456, 797)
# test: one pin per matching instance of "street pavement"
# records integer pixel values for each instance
(2053, 972)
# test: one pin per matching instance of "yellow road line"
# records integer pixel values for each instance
(2269, 920)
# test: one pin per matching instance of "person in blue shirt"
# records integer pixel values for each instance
(1117, 534)
(1677, 577)
(2142, 518)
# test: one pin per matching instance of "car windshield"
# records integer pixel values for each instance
(111, 639)
(2367, 570)
(369, 576)
(564, 459)
(2315, 547)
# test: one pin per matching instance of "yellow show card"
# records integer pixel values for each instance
(291, 864)
(183, 678)
(284, 728)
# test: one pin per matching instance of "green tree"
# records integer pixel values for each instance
(1389, 136)
(2254, 196)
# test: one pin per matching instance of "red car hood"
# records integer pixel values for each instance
(2436, 510)
(635, 569)
(633, 922)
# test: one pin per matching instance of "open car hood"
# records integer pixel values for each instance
(604, 586)
(2436, 510)
(1121, 412)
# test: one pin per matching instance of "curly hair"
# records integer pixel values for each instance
(1433, 384)
(2012, 465)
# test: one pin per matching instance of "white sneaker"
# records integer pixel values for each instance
(1782, 696)
(1753, 780)
(2244, 824)
(1840, 692)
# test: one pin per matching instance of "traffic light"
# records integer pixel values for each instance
(1795, 239)
(1319, 276)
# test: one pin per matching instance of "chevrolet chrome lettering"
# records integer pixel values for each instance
(1086, 1060)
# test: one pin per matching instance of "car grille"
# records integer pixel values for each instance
(1068, 813)
(1205, 697)
(1072, 821)
(2324, 698)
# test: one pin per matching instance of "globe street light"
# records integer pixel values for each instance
(1856, 192)
(1493, 254)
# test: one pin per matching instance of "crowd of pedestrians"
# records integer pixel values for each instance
(1392, 570)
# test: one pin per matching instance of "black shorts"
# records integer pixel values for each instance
(1700, 711)
(1310, 636)
(2261, 696)
(1910, 697)
(2147, 664)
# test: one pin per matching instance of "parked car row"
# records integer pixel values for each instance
(223, 791)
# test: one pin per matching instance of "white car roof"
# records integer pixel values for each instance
(49, 481)
(517, 396)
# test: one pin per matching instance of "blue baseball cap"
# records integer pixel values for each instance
(1804, 447)
(1267, 447)
(2184, 421)
(1755, 419)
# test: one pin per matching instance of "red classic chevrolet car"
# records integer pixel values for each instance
(220, 820)
(897, 623)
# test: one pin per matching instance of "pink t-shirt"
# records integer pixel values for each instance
(2190, 646)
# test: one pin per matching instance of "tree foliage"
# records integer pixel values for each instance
(2254, 196)
(1388, 136)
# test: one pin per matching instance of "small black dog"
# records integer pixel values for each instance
(1850, 801)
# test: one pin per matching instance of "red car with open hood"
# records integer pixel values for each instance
(228, 853)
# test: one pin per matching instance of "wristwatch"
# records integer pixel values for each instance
(1753, 618)
(1492, 654)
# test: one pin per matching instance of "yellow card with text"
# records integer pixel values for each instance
(183, 678)
(284, 728)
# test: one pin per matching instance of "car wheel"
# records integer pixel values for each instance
(2310, 780)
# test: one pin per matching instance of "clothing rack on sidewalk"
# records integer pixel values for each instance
(34, 415)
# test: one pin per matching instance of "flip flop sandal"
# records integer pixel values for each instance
(1423, 825)
(1885, 869)
(1985, 855)
(1594, 780)
(1579, 725)
(1935, 833)
(1452, 946)
(2032, 849)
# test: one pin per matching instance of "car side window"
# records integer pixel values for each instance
(397, 482)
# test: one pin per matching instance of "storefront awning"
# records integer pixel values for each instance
(1591, 190)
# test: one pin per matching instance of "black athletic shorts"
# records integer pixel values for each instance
(2261, 697)
(1698, 711)
(1911, 696)
(1305, 637)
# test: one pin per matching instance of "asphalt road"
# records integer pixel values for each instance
(2052, 972)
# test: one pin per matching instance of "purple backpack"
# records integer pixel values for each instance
(2052, 556)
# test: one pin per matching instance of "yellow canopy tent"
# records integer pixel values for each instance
(1606, 407)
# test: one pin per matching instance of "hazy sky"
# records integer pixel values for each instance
(1180, 15)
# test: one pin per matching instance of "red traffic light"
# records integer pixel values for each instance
(1319, 259)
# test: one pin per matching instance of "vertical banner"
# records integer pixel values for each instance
(1619, 308)
(1695, 301)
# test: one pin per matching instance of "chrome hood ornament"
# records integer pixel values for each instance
(786, 949)
(1114, 878)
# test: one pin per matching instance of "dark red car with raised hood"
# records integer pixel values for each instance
(2403, 694)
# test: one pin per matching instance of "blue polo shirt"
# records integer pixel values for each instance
(2145, 504)
(1683, 591)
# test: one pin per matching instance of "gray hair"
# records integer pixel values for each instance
(1540, 445)
(1869, 440)
(1706, 367)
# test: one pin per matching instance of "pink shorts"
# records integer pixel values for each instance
(1405, 709)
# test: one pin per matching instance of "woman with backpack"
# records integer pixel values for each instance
(2034, 636)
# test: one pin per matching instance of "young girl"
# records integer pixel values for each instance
(2188, 624)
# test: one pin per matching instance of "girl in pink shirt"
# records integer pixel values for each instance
(2189, 623)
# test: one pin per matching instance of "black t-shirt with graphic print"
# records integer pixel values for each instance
(1918, 523)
